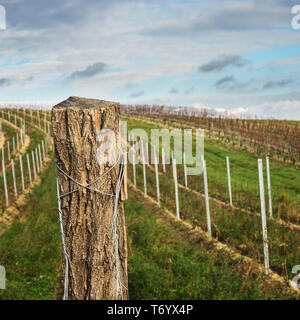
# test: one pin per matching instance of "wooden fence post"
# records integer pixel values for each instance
(93, 223)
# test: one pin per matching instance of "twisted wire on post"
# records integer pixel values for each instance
(119, 285)
(115, 235)
(66, 256)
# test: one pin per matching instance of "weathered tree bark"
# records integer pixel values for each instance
(88, 216)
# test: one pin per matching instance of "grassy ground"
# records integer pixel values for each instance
(30, 249)
(235, 228)
(36, 137)
(244, 178)
(163, 263)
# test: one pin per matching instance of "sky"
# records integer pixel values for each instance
(240, 56)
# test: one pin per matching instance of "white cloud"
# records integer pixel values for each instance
(63, 38)
(286, 110)
(198, 105)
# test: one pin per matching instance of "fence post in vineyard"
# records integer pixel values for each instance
(40, 156)
(144, 167)
(184, 168)
(18, 145)
(229, 180)
(37, 162)
(33, 164)
(156, 176)
(5, 183)
(3, 155)
(134, 169)
(163, 159)
(206, 198)
(8, 150)
(14, 145)
(43, 150)
(176, 187)
(124, 191)
(22, 173)
(269, 188)
(47, 143)
(263, 216)
(14, 177)
(89, 199)
(147, 152)
(29, 169)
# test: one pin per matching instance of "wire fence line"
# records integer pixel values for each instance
(265, 241)
(18, 175)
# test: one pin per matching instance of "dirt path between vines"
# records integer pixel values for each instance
(23, 148)
(2, 139)
(288, 225)
(214, 245)
(12, 212)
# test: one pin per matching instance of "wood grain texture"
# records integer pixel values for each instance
(87, 216)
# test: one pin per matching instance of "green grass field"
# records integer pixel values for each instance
(244, 177)
(36, 136)
(164, 260)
